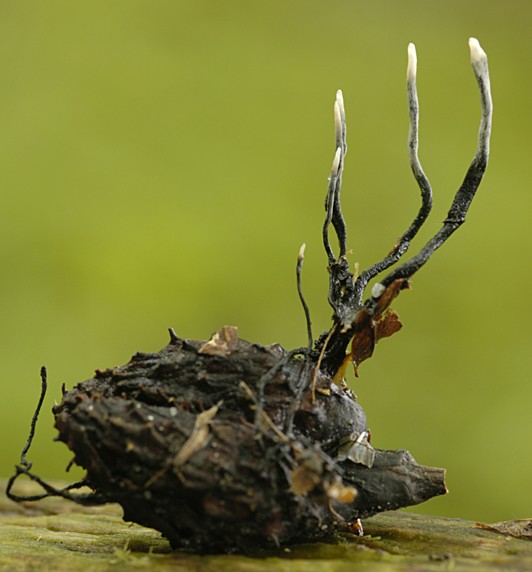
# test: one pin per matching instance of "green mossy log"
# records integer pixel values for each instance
(58, 535)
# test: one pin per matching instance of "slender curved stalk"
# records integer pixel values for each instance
(465, 194)
(403, 243)
(332, 202)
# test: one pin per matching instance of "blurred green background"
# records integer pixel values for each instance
(161, 163)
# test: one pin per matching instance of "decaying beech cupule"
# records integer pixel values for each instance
(195, 441)
(228, 445)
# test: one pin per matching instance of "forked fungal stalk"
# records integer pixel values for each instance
(465, 194)
(346, 292)
(424, 185)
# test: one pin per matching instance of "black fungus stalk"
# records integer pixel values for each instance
(403, 243)
(466, 193)
(346, 298)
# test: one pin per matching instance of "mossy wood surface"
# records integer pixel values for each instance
(59, 535)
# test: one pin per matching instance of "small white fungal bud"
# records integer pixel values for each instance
(411, 69)
(377, 290)
(477, 53)
(340, 101)
(301, 255)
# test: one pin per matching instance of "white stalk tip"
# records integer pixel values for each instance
(477, 53)
(411, 70)
(340, 100)
(301, 254)
(337, 119)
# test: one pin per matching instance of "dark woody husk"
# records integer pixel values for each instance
(194, 441)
